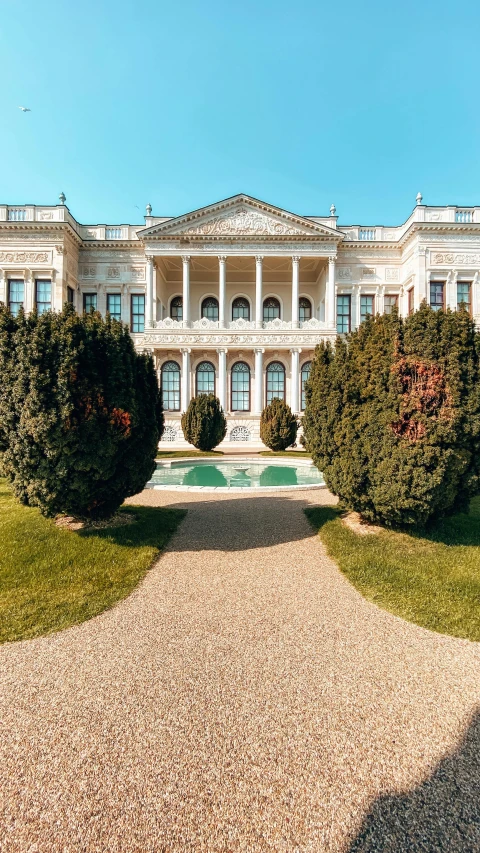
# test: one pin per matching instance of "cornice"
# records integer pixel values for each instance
(7, 227)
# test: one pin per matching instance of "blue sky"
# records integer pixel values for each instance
(300, 104)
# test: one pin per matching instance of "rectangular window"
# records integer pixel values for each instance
(411, 301)
(366, 307)
(16, 295)
(463, 295)
(43, 295)
(343, 314)
(114, 305)
(437, 295)
(89, 302)
(138, 313)
(390, 302)
(70, 295)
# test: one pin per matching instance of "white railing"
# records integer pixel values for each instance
(464, 216)
(366, 233)
(17, 214)
(240, 324)
(113, 233)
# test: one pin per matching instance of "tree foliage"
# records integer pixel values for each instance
(80, 412)
(393, 416)
(204, 424)
(278, 425)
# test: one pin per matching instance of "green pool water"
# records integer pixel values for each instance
(245, 475)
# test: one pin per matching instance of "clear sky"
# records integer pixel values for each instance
(300, 103)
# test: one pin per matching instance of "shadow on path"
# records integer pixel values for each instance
(442, 815)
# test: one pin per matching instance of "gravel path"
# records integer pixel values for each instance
(244, 698)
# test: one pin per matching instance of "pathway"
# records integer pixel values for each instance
(243, 698)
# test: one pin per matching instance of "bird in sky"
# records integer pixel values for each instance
(25, 109)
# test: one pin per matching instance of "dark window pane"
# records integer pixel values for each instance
(16, 291)
(43, 294)
(343, 314)
(271, 309)
(436, 295)
(205, 378)
(411, 301)
(138, 313)
(176, 308)
(304, 309)
(70, 295)
(463, 294)
(114, 305)
(89, 302)
(304, 377)
(240, 309)
(275, 381)
(240, 387)
(390, 302)
(171, 386)
(210, 308)
(366, 307)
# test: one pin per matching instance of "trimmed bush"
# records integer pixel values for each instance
(393, 416)
(278, 425)
(80, 412)
(204, 424)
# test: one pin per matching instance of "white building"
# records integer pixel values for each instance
(233, 298)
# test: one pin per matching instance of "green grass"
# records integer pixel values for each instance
(432, 579)
(170, 454)
(52, 578)
(295, 453)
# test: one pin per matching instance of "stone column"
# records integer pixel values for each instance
(185, 379)
(149, 299)
(294, 380)
(222, 281)
(186, 290)
(330, 312)
(258, 292)
(421, 279)
(295, 275)
(258, 403)
(222, 377)
(475, 295)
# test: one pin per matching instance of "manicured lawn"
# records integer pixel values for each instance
(297, 453)
(432, 579)
(170, 454)
(51, 578)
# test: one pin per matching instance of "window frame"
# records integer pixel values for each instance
(174, 390)
(21, 304)
(310, 305)
(241, 299)
(134, 314)
(363, 316)
(70, 295)
(119, 296)
(211, 364)
(202, 307)
(270, 372)
(468, 305)
(271, 299)
(436, 306)
(232, 391)
(85, 295)
(411, 301)
(37, 303)
(348, 297)
(395, 304)
(172, 306)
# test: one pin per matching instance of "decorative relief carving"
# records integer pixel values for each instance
(241, 324)
(138, 273)
(113, 272)
(44, 215)
(25, 257)
(368, 272)
(392, 275)
(313, 323)
(434, 216)
(168, 323)
(205, 323)
(277, 324)
(250, 341)
(246, 222)
(457, 259)
(89, 271)
(344, 273)
(91, 234)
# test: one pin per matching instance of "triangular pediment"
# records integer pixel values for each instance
(240, 216)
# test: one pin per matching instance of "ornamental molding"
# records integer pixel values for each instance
(25, 257)
(392, 275)
(213, 341)
(245, 222)
(455, 258)
(236, 248)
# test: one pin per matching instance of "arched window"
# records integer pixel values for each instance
(240, 387)
(271, 309)
(304, 309)
(240, 309)
(170, 383)
(176, 308)
(210, 308)
(205, 378)
(275, 381)
(305, 373)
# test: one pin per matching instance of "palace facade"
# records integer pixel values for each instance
(234, 297)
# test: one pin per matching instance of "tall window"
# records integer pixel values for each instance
(343, 314)
(89, 302)
(240, 387)
(137, 323)
(464, 295)
(16, 295)
(411, 301)
(306, 368)
(43, 295)
(176, 308)
(304, 309)
(114, 305)
(275, 381)
(271, 309)
(205, 378)
(389, 303)
(240, 309)
(210, 308)
(170, 383)
(70, 295)
(437, 292)
(366, 307)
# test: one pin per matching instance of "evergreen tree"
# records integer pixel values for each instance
(278, 425)
(204, 424)
(393, 416)
(80, 412)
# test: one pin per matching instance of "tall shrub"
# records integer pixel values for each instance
(204, 424)
(278, 425)
(393, 416)
(80, 412)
